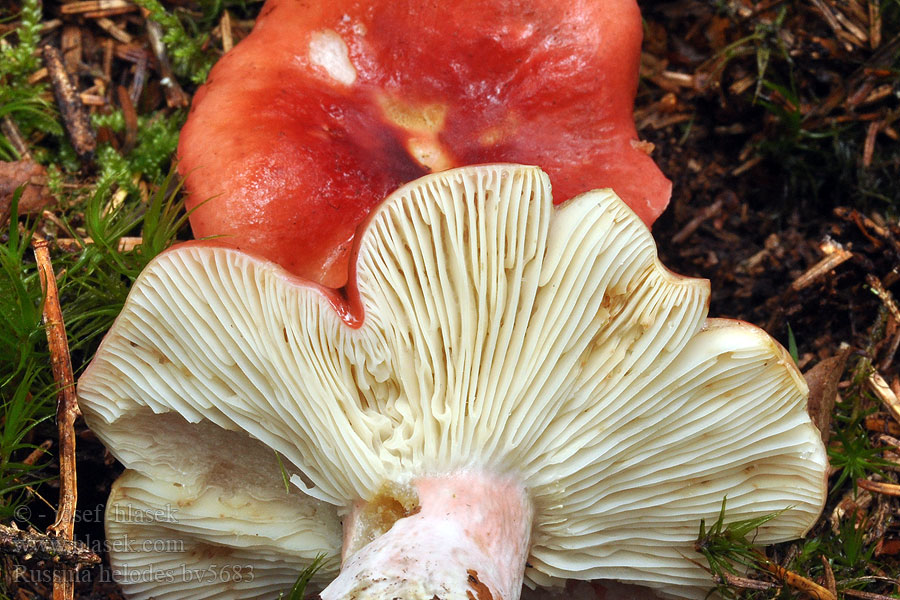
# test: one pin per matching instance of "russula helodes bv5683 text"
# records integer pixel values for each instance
(509, 390)
(328, 107)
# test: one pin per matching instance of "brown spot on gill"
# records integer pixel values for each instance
(209, 551)
(482, 592)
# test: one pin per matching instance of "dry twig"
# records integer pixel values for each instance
(879, 487)
(66, 411)
(829, 576)
(707, 213)
(880, 423)
(12, 133)
(29, 545)
(866, 595)
(798, 582)
(70, 105)
(744, 583)
(831, 261)
(885, 394)
(98, 8)
(227, 35)
(175, 96)
(126, 244)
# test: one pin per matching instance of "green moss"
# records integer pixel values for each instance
(93, 285)
(20, 100)
(19, 60)
(184, 41)
(157, 140)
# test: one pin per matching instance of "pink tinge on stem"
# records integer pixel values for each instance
(463, 535)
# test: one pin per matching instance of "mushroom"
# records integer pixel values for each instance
(327, 107)
(506, 391)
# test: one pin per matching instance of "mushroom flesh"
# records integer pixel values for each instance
(507, 391)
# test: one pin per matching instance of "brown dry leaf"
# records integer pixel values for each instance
(35, 196)
(823, 381)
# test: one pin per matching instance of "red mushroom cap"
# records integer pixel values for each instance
(327, 107)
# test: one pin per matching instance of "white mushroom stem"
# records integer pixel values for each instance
(467, 538)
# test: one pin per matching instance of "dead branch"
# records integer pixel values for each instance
(882, 424)
(707, 213)
(66, 411)
(821, 268)
(34, 545)
(879, 487)
(71, 107)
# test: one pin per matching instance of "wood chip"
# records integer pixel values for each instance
(879, 487)
(38, 76)
(874, 24)
(36, 454)
(866, 595)
(707, 213)
(175, 96)
(98, 8)
(882, 424)
(889, 440)
(70, 46)
(869, 145)
(131, 119)
(92, 100)
(679, 79)
(855, 30)
(885, 296)
(14, 135)
(110, 27)
(837, 257)
(126, 244)
(867, 226)
(741, 169)
(830, 583)
(834, 22)
(643, 146)
(744, 583)
(108, 49)
(885, 394)
(140, 79)
(887, 547)
(850, 507)
(50, 25)
(227, 35)
(71, 107)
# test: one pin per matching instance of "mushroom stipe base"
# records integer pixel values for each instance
(468, 538)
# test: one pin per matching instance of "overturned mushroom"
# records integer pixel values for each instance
(327, 107)
(508, 390)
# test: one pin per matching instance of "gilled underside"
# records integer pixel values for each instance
(501, 339)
